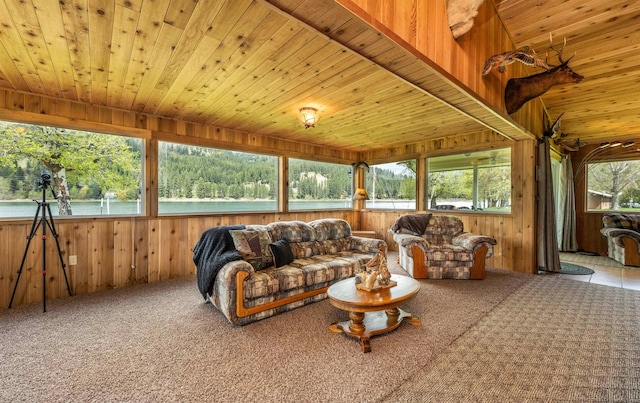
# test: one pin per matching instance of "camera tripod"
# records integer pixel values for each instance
(45, 222)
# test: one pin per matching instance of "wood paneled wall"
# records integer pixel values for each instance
(113, 252)
(588, 223)
(423, 25)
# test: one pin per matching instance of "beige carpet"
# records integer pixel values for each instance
(160, 342)
(553, 340)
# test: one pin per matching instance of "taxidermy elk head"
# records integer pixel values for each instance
(460, 14)
(519, 91)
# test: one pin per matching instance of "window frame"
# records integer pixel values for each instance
(369, 205)
(586, 194)
(484, 153)
(220, 212)
(289, 187)
(134, 133)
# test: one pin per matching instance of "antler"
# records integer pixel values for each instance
(558, 51)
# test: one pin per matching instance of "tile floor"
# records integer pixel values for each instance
(606, 271)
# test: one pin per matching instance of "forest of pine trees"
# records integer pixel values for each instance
(192, 172)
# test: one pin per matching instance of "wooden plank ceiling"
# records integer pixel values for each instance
(245, 64)
(240, 64)
(604, 37)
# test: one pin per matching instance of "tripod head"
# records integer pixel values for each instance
(45, 179)
(44, 183)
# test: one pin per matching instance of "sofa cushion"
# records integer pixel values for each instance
(333, 246)
(282, 254)
(307, 273)
(330, 228)
(292, 231)
(306, 249)
(253, 246)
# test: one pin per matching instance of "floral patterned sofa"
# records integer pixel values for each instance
(623, 237)
(436, 247)
(284, 265)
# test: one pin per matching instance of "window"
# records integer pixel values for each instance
(80, 173)
(195, 179)
(478, 180)
(613, 185)
(317, 185)
(392, 186)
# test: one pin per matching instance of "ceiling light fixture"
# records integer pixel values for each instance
(309, 117)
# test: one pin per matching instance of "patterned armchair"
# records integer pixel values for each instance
(623, 237)
(436, 247)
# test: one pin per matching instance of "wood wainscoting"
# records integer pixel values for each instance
(113, 252)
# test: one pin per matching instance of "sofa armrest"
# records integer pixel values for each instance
(225, 292)
(472, 242)
(367, 245)
(407, 242)
(618, 233)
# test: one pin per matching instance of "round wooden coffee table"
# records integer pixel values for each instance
(372, 312)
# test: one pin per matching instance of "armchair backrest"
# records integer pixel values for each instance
(442, 228)
(621, 220)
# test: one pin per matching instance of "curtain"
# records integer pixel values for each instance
(569, 241)
(559, 195)
(546, 243)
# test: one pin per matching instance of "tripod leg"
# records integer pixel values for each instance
(52, 227)
(34, 228)
(44, 254)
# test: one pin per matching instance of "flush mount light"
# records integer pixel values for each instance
(309, 117)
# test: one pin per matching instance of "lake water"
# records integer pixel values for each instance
(11, 209)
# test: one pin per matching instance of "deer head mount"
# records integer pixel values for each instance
(519, 91)
(460, 14)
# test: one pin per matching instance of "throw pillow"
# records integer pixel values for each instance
(282, 253)
(253, 246)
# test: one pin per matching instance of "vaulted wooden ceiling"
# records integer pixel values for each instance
(248, 65)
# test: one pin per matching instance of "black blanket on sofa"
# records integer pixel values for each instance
(213, 250)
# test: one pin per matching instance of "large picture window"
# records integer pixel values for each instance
(194, 179)
(613, 185)
(90, 174)
(317, 185)
(392, 186)
(479, 180)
